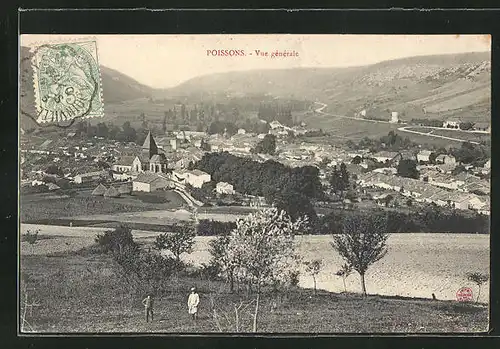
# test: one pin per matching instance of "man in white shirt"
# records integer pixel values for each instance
(193, 301)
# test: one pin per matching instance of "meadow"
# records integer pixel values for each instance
(416, 265)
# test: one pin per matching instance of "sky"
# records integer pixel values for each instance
(163, 61)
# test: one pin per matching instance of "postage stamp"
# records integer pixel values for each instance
(67, 81)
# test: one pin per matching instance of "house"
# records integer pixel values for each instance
(487, 165)
(451, 123)
(183, 163)
(482, 126)
(196, 178)
(275, 124)
(52, 186)
(88, 177)
(224, 188)
(124, 164)
(446, 159)
(384, 156)
(423, 156)
(241, 131)
(149, 182)
(394, 117)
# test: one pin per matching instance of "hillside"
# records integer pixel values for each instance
(440, 86)
(445, 85)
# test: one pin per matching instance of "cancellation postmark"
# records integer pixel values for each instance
(67, 81)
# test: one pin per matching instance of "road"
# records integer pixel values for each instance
(402, 129)
(323, 106)
(430, 134)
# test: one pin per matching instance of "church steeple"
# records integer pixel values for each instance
(149, 148)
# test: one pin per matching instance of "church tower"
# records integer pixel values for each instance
(149, 148)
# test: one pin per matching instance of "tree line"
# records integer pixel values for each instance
(279, 184)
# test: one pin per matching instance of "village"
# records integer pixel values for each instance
(165, 162)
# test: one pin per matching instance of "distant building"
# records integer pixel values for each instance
(242, 131)
(275, 124)
(362, 113)
(482, 126)
(445, 159)
(196, 178)
(88, 177)
(149, 182)
(149, 159)
(423, 156)
(224, 188)
(384, 156)
(487, 165)
(451, 123)
(124, 164)
(394, 117)
(174, 143)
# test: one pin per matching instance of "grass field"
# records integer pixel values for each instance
(84, 293)
(47, 207)
(463, 135)
(416, 265)
(341, 130)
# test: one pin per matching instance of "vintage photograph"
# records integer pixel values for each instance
(254, 183)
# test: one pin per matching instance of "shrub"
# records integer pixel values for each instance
(208, 227)
(116, 240)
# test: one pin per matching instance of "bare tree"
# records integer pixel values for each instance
(344, 272)
(313, 268)
(479, 279)
(363, 241)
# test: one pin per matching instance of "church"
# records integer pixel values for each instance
(150, 159)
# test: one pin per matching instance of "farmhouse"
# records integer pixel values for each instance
(224, 188)
(196, 178)
(423, 156)
(482, 126)
(384, 156)
(149, 182)
(124, 164)
(88, 177)
(446, 159)
(451, 123)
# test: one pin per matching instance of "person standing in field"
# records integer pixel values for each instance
(193, 301)
(148, 307)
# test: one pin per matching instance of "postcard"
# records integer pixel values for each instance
(254, 184)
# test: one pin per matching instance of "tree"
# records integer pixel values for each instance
(267, 145)
(116, 240)
(313, 268)
(344, 178)
(363, 241)
(357, 160)
(467, 125)
(295, 204)
(344, 272)
(262, 245)
(408, 168)
(180, 241)
(164, 123)
(54, 170)
(218, 250)
(479, 279)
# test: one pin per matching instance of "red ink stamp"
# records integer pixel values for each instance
(464, 294)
